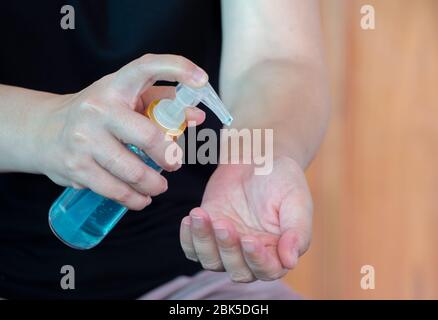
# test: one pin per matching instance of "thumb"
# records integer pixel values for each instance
(296, 227)
(135, 77)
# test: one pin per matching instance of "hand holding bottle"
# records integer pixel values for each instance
(82, 136)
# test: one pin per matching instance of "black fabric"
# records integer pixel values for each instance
(143, 250)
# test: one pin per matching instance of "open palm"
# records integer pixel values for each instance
(252, 226)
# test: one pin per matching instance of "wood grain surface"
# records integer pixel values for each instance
(375, 180)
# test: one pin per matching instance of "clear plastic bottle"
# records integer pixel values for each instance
(82, 218)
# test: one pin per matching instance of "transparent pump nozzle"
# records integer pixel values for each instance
(170, 113)
(208, 97)
(82, 218)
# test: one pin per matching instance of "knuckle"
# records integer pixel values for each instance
(242, 276)
(184, 63)
(273, 276)
(135, 175)
(149, 64)
(91, 108)
(123, 196)
(159, 188)
(113, 161)
(78, 136)
(228, 248)
(147, 58)
(142, 204)
(203, 237)
(73, 164)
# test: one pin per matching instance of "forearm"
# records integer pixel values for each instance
(22, 111)
(289, 97)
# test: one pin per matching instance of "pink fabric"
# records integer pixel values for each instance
(207, 285)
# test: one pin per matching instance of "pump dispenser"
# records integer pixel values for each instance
(82, 218)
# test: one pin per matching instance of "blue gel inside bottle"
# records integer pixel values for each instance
(82, 218)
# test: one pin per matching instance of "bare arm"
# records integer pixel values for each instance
(22, 112)
(273, 77)
(273, 72)
(76, 139)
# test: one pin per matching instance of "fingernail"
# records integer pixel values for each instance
(294, 256)
(197, 110)
(186, 221)
(248, 246)
(198, 222)
(200, 76)
(221, 233)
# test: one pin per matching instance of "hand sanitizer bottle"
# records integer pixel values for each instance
(82, 218)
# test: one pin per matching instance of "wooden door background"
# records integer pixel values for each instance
(375, 180)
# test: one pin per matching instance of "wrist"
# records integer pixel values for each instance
(40, 131)
(260, 149)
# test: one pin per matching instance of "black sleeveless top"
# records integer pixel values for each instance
(143, 250)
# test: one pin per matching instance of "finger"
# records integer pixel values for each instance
(296, 227)
(103, 183)
(264, 264)
(194, 115)
(230, 252)
(156, 93)
(204, 241)
(120, 162)
(132, 79)
(132, 127)
(289, 249)
(185, 238)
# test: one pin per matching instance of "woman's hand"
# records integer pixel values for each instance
(81, 139)
(251, 226)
